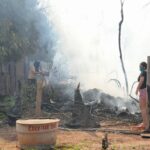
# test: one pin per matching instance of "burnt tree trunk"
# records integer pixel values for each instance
(120, 49)
(81, 116)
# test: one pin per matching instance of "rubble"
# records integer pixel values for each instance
(81, 116)
(84, 109)
(95, 103)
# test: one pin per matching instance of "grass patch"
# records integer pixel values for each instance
(57, 147)
(2, 116)
(68, 147)
(7, 102)
(127, 147)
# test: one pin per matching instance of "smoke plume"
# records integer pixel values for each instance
(87, 40)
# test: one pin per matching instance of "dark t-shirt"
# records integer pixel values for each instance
(143, 74)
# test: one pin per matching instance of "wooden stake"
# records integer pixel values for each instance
(39, 92)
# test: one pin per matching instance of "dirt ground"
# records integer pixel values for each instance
(120, 137)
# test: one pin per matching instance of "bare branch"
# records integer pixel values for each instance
(78, 87)
(119, 43)
(122, 2)
(116, 81)
(146, 5)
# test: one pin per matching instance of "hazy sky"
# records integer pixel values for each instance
(88, 38)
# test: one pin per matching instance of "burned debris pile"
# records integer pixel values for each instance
(81, 109)
(87, 108)
(81, 113)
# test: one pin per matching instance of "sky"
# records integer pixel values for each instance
(87, 45)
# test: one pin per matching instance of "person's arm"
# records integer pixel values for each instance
(139, 84)
(33, 70)
(41, 71)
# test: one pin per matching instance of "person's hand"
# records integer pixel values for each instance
(136, 92)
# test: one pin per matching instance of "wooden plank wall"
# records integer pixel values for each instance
(10, 74)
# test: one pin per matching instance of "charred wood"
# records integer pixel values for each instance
(81, 116)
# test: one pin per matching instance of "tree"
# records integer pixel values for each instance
(21, 29)
(119, 43)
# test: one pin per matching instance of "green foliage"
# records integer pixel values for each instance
(28, 94)
(12, 45)
(21, 29)
(129, 147)
(69, 147)
(64, 147)
(2, 116)
(7, 103)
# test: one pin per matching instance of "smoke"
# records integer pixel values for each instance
(31, 26)
(88, 40)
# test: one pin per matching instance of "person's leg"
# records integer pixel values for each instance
(143, 107)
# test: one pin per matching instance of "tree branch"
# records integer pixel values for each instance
(119, 43)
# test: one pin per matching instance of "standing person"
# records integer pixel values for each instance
(30, 89)
(39, 76)
(141, 90)
(35, 69)
(35, 85)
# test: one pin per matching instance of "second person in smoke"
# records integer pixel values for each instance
(35, 70)
(141, 90)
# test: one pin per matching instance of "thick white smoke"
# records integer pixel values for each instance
(88, 39)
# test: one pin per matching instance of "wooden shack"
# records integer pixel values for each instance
(11, 74)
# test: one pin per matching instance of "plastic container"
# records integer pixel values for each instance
(37, 131)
